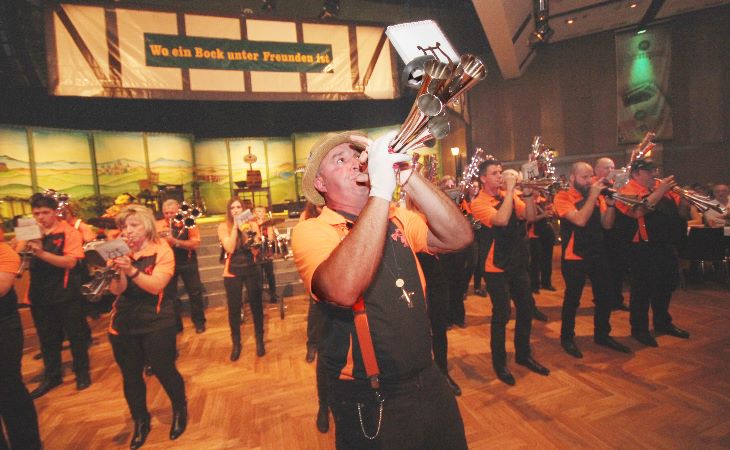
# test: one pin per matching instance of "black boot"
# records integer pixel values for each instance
(323, 419)
(141, 430)
(179, 422)
(46, 385)
(260, 350)
(236, 352)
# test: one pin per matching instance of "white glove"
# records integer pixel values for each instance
(380, 167)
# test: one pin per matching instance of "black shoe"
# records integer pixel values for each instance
(179, 422)
(148, 370)
(200, 328)
(570, 348)
(672, 331)
(141, 430)
(620, 307)
(273, 298)
(260, 350)
(539, 315)
(83, 380)
(550, 288)
(480, 292)
(236, 351)
(608, 341)
(45, 386)
(323, 419)
(645, 338)
(504, 375)
(533, 365)
(311, 354)
(455, 389)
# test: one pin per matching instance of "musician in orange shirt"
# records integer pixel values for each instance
(504, 214)
(585, 214)
(654, 229)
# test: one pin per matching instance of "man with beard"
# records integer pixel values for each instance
(585, 215)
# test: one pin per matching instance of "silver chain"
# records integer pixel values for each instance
(362, 425)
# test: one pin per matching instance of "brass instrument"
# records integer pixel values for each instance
(61, 199)
(186, 215)
(629, 200)
(441, 85)
(700, 201)
(95, 289)
(641, 151)
(470, 172)
(539, 173)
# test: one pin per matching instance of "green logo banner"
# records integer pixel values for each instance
(164, 50)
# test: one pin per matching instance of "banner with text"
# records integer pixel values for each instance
(138, 53)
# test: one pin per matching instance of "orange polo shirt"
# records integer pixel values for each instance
(634, 188)
(565, 204)
(484, 208)
(312, 243)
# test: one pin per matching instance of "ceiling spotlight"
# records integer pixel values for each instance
(570, 21)
(633, 5)
(330, 9)
(268, 5)
(542, 32)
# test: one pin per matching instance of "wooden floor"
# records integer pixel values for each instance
(674, 396)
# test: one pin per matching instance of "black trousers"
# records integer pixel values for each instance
(541, 259)
(268, 271)
(616, 255)
(654, 276)
(16, 407)
(481, 249)
(418, 413)
(133, 352)
(456, 270)
(234, 295)
(193, 286)
(51, 322)
(503, 286)
(437, 296)
(318, 326)
(575, 273)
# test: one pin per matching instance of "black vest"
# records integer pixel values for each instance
(48, 283)
(510, 245)
(587, 240)
(183, 256)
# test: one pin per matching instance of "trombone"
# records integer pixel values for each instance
(700, 201)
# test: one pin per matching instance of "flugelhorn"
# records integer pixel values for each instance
(471, 171)
(186, 215)
(95, 289)
(700, 201)
(441, 85)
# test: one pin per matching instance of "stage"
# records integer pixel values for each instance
(674, 396)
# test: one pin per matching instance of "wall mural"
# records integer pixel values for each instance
(211, 172)
(63, 162)
(138, 163)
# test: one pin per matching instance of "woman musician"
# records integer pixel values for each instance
(142, 328)
(237, 236)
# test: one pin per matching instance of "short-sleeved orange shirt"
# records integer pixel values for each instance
(9, 260)
(565, 203)
(484, 208)
(634, 188)
(313, 240)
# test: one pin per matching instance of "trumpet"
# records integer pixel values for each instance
(630, 200)
(441, 85)
(95, 289)
(702, 202)
(539, 171)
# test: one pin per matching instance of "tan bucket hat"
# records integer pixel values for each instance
(316, 155)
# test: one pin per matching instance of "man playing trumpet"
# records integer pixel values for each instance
(503, 213)
(585, 214)
(184, 242)
(358, 259)
(55, 307)
(655, 230)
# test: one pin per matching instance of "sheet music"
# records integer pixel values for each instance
(408, 37)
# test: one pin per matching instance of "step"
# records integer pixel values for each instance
(218, 297)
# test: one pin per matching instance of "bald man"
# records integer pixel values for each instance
(615, 247)
(585, 214)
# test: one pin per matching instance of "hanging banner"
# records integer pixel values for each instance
(642, 82)
(95, 51)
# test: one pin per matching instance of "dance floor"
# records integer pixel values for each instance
(674, 396)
